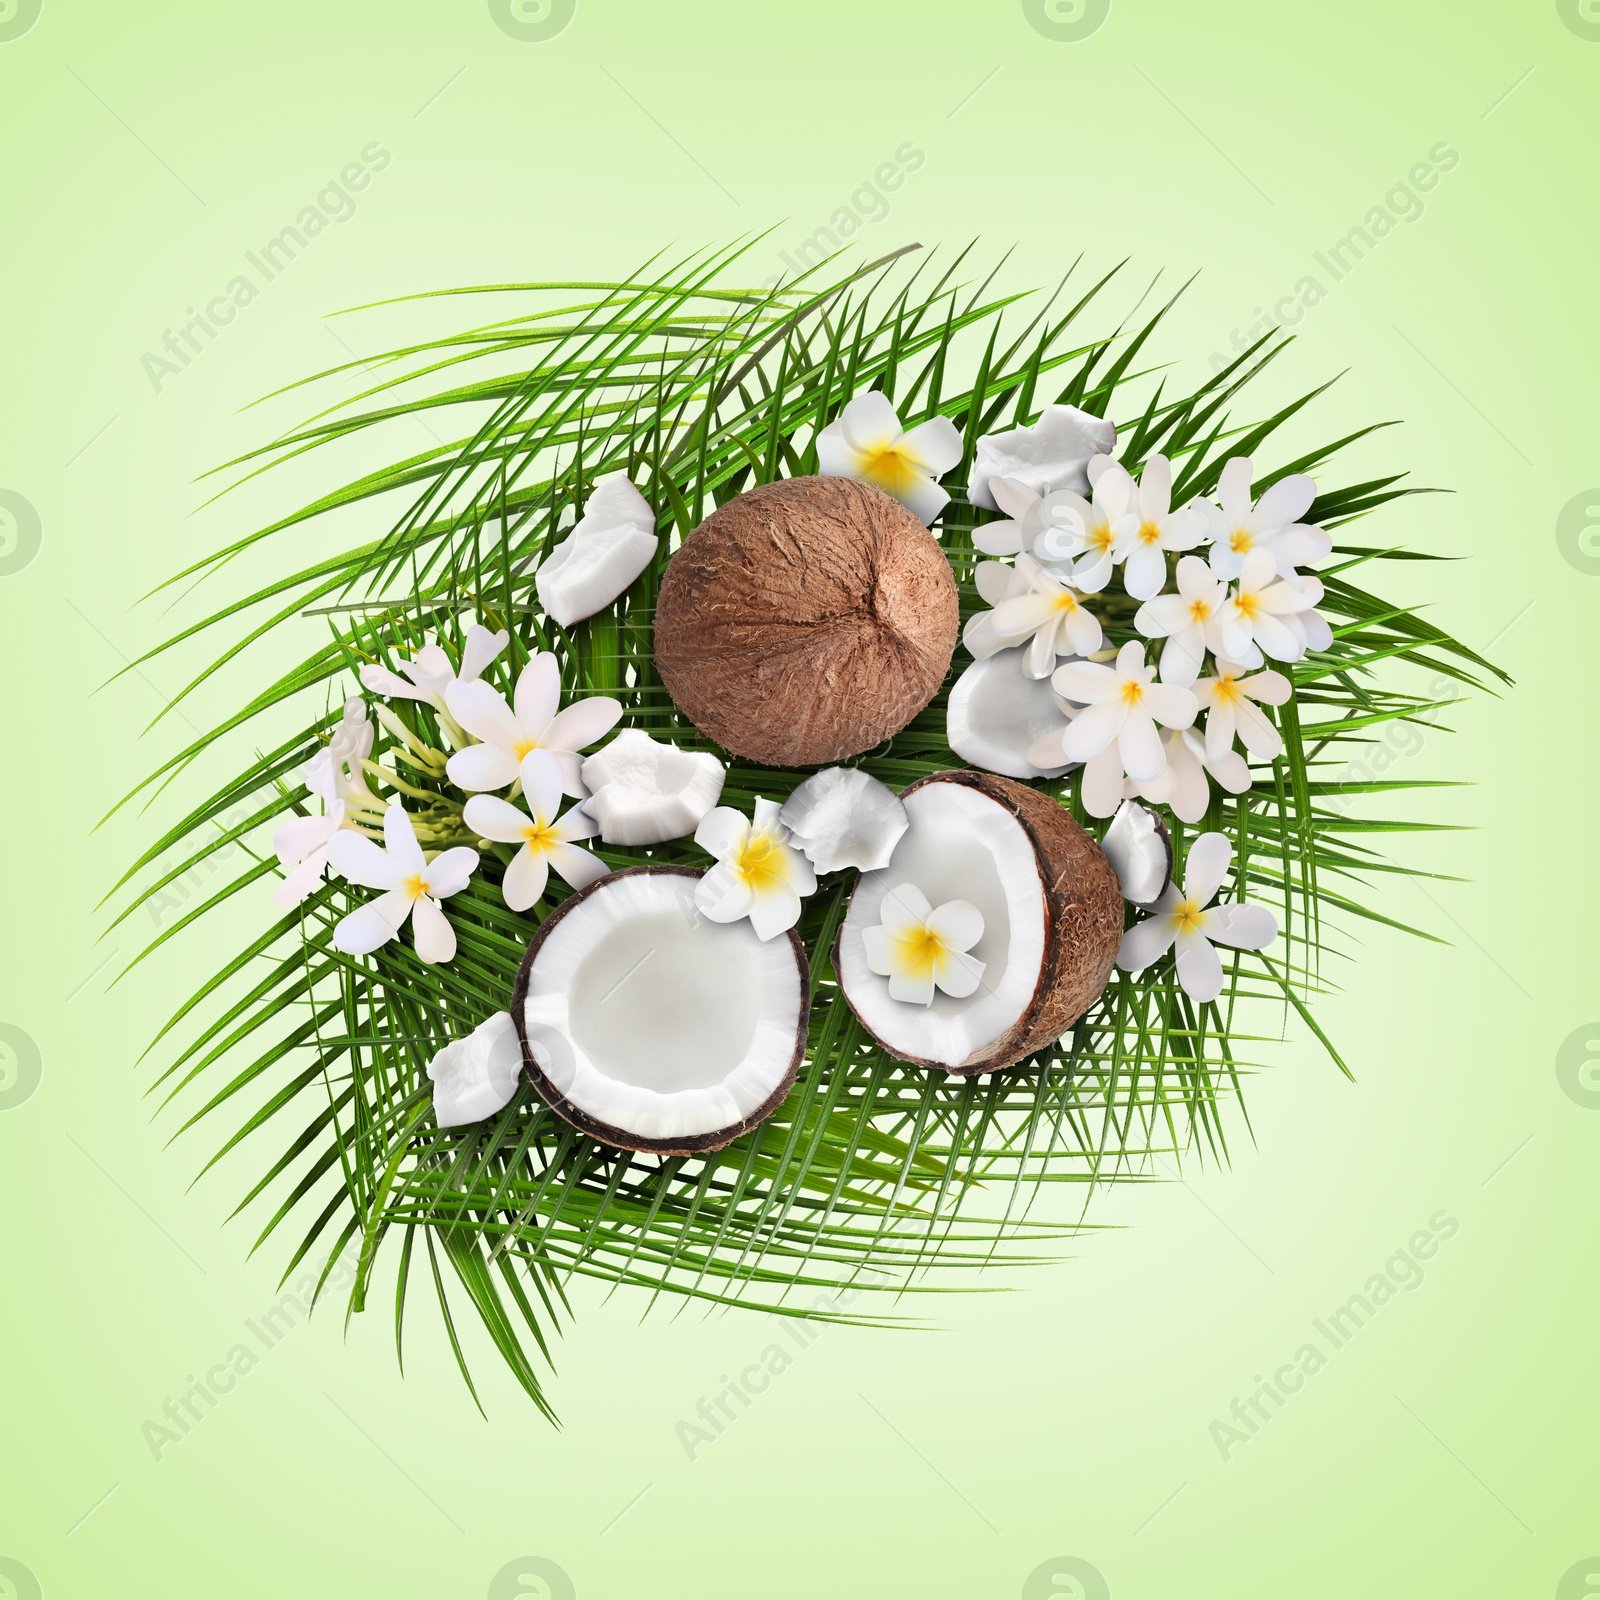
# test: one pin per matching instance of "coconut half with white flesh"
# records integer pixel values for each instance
(1052, 923)
(1139, 849)
(653, 1028)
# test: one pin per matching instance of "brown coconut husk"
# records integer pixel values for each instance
(623, 1138)
(805, 621)
(1083, 923)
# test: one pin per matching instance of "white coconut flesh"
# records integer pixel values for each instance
(960, 845)
(997, 712)
(656, 1022)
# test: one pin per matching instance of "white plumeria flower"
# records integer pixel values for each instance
(1228, 700)
(509, 734)
(1189, 920)
(866, 441)
(546, 838)
(1123, 703)
(302, 845)
(1050, 454)
(413, 887)
(1185, 782)
(1273, 523)
(429, 674)
(1255, 617)
(334, 774)
(1187, 620)
(1043, 610)
(919, 946)
(1087, 533)
(1152, 529)
(759, 874)
(1310, 627)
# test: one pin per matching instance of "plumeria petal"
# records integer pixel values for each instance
(491, 817)
(958, 973)
(373, 925)
(1100, 786)
(483, 712)
(363, 861)
(541, 776)
(774, 911)
(1244, 927)
(525, 879)
(575, 866)
(450, 871)
(1199, 967)
(430, 928)
(958, 923)
(582, 724)
(1093, 730)
(935, 445)
(1206, 866)
(537, 695)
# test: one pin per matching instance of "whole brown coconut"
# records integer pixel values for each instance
(1043, 973)
(805, 621)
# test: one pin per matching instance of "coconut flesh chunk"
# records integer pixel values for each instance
(1052, 923)
(844, 817)
(653, 1028)
(1139, 849)
(997, 712)
(646, 791)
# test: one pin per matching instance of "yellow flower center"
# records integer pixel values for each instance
(1149, 533)
(1227, 690)
(1187, 915)
(1248, 605)
(920, 953)
(1200, 610)
(1132, 692)
(759, 861)
(1100, 538)
(540, 837)
(1241, 541)
(523, 746)
(891, 468)
(415, 886)
(1066, 602)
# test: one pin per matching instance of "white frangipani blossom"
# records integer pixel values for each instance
(413, 887)
(759, 874)
(430, 673)
(1187, 620)
(1039, 607)
(1272, 523)
(1186, 918)
(1151, 529)
(1229, 702)
(335, 775)
(1092, 534)
(866, 441)
(1184, 784)
(546, 838)
(509, 733)
(1052, 453)
(918, 947)
(477, 1076)
(1255, 617)
(1123, 703)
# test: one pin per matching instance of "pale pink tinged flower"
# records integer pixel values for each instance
(1229, 702)
(1272, 523)
(1048, 615)
(1151, 529)
(1255, 618)
(413, 887)
(430, 673)
(1186, 918)
(866, 441)
(1187, 620)
(546, 838)
(509, 733)
(1123, 704)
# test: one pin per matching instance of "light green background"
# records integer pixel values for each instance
(1449, 1447)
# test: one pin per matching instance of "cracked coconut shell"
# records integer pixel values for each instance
(805, 621)
(1030, 1000)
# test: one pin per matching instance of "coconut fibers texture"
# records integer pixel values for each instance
(805, 621)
